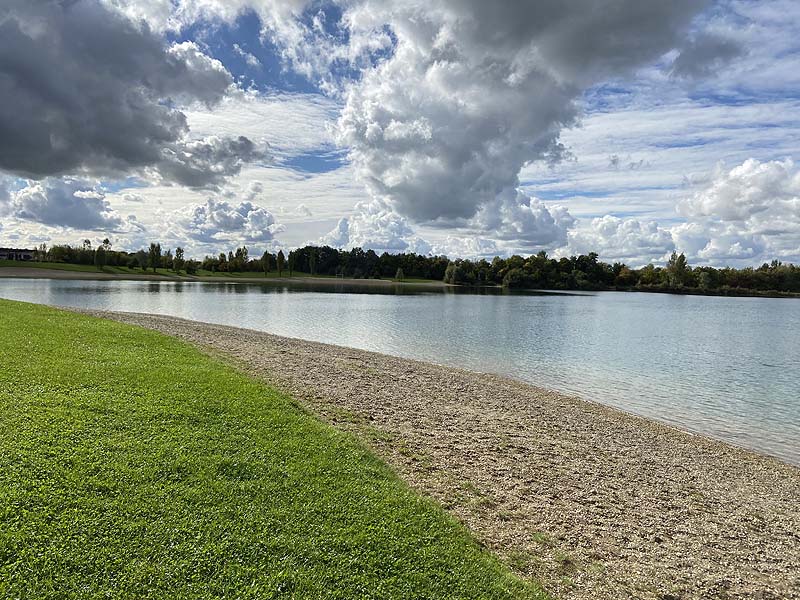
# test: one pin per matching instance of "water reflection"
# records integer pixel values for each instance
(728, 367)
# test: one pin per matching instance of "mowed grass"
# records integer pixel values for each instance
(57, 266)
(133, 466)
(31, 264)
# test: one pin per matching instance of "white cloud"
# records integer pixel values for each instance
(376, 226)
(67, 203)
(746, 190)
(471, 247)
(715, 243)
(86, 91)
(218, 221)
(291, 123)
(249, 58)
(465, 99)
(474, 91)
(629, 240)
(524, 223)
(740, 216)
(750, 212)
(301, 210)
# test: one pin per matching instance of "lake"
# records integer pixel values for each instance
(724, 367)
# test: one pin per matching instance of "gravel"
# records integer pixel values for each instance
(592, 502)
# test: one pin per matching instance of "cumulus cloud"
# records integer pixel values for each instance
(512, 223)
(626, 240)
(85, 90)
(454, 97)
(207, 162)
(525, 222)
(741, 193)
(717, 243)
(740, 216)
(473, 91)
(219, 220)
(67, 203)
(747, 212)
(471, 247)
(378, 227)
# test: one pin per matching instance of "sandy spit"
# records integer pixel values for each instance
(594, 503)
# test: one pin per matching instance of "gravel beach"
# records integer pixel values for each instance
(593, 502)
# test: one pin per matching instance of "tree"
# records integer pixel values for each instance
(191, 267)
(517, 278)
(705, 281)
(106, 244)
(100, 258)
(281, 262)
(648, 275)
(265, 262)
(677, 270)
(178, 262)
(399, 275)
(141, 259)
(291, 262)
(625, 277)
(458, 272)
(154, 255)
(312, 260)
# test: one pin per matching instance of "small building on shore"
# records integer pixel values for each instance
(16, 254)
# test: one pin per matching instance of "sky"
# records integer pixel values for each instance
(631, 128)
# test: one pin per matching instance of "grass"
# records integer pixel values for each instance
(169, 273)
(70, 267)
(133, 466)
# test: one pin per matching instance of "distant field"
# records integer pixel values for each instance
(169, 273)
(133, 466)
(68, 267)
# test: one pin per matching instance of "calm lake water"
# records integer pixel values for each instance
(725, 367)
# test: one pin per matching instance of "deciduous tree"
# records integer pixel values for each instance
(281, 262)
(155, 255)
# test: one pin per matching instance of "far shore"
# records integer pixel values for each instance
(595, 503)
(38, 273)
(27, 272)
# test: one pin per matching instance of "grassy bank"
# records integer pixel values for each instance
(108, 270)
(202, 274)
(131, 465)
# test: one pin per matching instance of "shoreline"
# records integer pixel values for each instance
(64, 274)
(590, 500)
(39, 273)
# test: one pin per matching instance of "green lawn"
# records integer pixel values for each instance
(30, 264)
(168, 273)
(133, 466)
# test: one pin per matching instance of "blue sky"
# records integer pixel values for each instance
(438, 128)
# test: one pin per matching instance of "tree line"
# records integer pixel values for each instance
(146, 259)
(538, 271)
(586, 272)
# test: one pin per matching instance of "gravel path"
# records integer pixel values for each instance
(592, 502)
